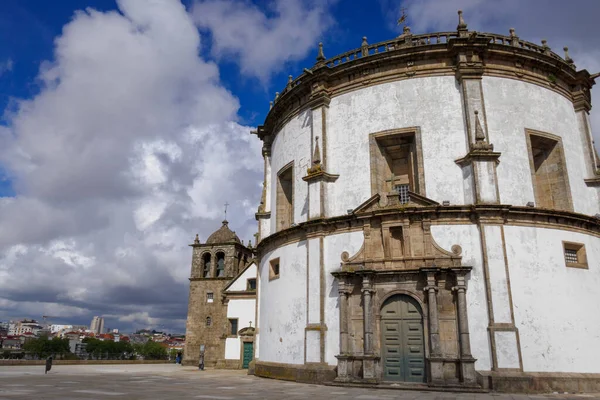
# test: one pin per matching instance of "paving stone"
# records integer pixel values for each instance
(169, 381)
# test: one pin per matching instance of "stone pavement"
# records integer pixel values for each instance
(169, 381)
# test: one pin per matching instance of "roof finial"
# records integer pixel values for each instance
(479, 134)
(364, 47)
(321, 55)
(567, 57)
(403, 17)
(317, 153)
(197, 239)
(226, 205)
(290, 80)
(514, 39)
(462, 25)
(545, 46)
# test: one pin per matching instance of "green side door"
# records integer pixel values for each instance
(248, 353)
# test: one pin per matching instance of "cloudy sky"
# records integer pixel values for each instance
(126, 128)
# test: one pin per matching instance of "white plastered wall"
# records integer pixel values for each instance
(467, 237)
(434, 104)
(292, 143)
(241, 283)
(334, 246)
(555, 306)
(512, 106)
(243, 310)
(282, 309)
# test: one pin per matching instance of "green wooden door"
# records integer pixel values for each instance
(248, 352)
(402, 346)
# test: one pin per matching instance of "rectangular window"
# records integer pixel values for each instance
(548, 171)
(285, 197)
(575, 256)
(274, 269)
(251, 284)
(396, 162)
(209, 297)
(233, 327)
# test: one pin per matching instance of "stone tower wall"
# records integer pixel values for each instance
(199, 309)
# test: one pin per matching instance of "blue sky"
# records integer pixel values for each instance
(126, 128)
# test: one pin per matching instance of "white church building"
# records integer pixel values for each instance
(430, 216)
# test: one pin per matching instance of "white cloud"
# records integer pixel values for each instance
(262, 42)
(6, 66)
(129, 149)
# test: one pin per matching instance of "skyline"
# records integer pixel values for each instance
(126, 130)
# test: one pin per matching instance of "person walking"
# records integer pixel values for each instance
(48, 364)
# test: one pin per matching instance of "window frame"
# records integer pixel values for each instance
(248, 288)
(377, 156)
(208, 322)
(279, 192)
(274, 269)
(579, 248)
(204, 257)
(217, 269)
(230, 327)
(210, 297)
(559, 148)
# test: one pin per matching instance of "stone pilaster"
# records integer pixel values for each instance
(367, 292)
(436, 364)
(432, 310)
(369, 372)
(343, 359)
(263, 215)
(504, 336)
(467, 362)
(479, 164)
(317, 176)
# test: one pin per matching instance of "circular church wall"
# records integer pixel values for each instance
(457, 167)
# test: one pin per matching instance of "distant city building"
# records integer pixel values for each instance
(25, 326)
(58, 328)
(97, 325)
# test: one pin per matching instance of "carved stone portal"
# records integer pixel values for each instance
(400, 257)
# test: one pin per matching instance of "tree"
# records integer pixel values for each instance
(107, 349)
(152, 350)
(43, 347)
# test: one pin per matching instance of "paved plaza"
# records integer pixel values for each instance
(169, 381)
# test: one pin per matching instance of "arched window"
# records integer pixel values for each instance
(220, 265)
(206, 262)
(208, 321)
(240, 264)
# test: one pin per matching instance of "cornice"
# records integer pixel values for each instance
(479, 155)
(319, 176)
(593, 182)
(472, 56)
(437, 215)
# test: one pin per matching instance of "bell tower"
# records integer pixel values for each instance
(214, 265)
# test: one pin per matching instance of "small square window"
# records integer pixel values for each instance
(208, 321)
(274, 269)
(209, 297)
(233, 327)
(251, 284)
(575, 256)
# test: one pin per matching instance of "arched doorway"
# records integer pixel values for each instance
(402, 344)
